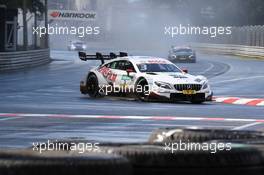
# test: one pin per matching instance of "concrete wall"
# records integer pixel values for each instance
(23, 59)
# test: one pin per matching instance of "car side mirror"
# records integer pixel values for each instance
(129, 71)
(185, 71)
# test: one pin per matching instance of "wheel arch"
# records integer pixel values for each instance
(140, 78)
(89, 74)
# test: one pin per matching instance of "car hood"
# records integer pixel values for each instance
(176, 78)
(183, 54)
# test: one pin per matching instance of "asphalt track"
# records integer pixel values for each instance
(54, 89)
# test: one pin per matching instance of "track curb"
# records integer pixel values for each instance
(240, 101)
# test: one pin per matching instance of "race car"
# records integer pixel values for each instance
(146, 77)
(77, 46)
(182, 54)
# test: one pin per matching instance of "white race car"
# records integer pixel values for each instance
(144, 76)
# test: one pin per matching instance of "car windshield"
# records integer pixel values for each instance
(78, 42)
(182, 51)
(157, 67)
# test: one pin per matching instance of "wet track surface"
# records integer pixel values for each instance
(54, 89)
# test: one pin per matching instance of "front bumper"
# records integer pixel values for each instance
(183, 58)
(183, 97)
(201, 95)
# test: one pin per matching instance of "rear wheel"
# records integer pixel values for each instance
(92, 86)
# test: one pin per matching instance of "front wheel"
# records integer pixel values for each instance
(142, 90)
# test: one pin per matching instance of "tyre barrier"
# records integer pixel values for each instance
(29, 162)
(229, 49)
(147, 158)
(156, 160)
(163, 135)
(23, 59)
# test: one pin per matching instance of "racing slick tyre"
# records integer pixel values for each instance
(158, 160)
(92, 86)
(28, 162)
(164, 135)
(143, 87)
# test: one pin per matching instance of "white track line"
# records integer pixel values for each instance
(246, 126)
(237, 79)
(9, 118)
(208, 69)
(154, 118)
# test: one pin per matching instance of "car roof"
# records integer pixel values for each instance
(142, 59)
(179, 48)
(77, 41)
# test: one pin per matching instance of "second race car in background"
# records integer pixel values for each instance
(182, 54)
(145, 76)
(77, 46)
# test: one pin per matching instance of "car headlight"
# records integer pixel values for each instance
(163, 85)
(198, 80)
(205, 85)
(84, 46)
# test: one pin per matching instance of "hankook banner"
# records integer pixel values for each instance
(71, 15)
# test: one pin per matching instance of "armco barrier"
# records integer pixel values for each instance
(23, 59)
(241, 50)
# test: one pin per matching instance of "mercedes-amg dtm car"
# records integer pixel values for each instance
(146, 77)
(182, 54)
(77, 45)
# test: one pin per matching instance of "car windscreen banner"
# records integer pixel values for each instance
(71, 15)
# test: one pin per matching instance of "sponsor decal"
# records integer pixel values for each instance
(178, 76)
(55, 14)
(125, 77)
(107, 73)
(157, 61)
(71, 15)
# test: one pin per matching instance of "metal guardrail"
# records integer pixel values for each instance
(23, 59)
(241, 50)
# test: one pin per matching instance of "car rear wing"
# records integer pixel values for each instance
(99, 56)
